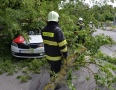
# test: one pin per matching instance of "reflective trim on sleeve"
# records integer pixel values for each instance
(64, 50)
(62, 43)
(53, 58)
(50, 42)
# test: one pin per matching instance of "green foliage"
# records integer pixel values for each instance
(24, 78)
(69, 74)
(70, 85)
(93, 43)
(7, 66)
(11, 65)
(19, 16)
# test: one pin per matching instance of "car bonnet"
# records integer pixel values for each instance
(35, 39)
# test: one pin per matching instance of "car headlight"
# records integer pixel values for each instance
(40, 45)
(14, 44)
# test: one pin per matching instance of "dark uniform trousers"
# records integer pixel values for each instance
(55, 66)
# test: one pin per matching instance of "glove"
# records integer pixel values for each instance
(65, 55)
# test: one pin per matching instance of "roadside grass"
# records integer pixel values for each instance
(11, 65)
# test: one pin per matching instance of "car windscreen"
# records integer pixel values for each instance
(36, 32)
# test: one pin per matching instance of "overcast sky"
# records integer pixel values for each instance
(89, 2)
(114, 4)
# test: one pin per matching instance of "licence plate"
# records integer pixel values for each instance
(26, 51)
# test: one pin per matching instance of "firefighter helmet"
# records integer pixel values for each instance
(53, 16)
(80, 19)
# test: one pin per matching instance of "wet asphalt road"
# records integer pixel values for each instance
(40, 80)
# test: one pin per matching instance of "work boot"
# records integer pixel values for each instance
(57, 87)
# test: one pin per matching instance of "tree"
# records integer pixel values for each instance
(17, 17)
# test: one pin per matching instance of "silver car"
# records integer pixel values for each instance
(34, 48)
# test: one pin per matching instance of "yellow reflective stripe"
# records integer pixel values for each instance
(49, 34)
(53, 58)
(62, 43)
(82, 24)
(64, 50)
(50, 42)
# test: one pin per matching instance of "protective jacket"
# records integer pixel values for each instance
(54, 42)
(81, 25)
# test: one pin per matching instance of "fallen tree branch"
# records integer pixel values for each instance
(54, 81)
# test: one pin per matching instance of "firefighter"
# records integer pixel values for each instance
(81, 25)
(55, 43)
